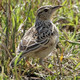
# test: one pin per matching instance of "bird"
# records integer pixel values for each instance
(41, 39)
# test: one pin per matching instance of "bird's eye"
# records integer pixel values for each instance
(46, 10)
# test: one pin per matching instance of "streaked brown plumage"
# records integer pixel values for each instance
(40, 39)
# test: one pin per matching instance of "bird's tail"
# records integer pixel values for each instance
(16, 60)
(12, 62)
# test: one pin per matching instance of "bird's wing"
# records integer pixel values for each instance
(31, 41)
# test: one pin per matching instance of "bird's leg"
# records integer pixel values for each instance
(28, 63)
(41, 63)
(31, 67)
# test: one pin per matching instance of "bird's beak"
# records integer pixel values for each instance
(56, 7)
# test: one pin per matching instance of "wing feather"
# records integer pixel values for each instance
(31, 41)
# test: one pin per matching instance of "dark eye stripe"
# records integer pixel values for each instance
(46, 10)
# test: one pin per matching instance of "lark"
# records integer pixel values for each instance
(41, 39)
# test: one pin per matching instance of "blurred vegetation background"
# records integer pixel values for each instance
(16, 16)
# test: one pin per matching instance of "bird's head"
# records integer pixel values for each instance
(46, 12)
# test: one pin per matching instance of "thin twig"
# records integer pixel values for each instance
(59, 65)
(73, 42)
(56, 68)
